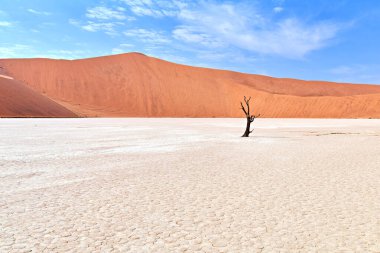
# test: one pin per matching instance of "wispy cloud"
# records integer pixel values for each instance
(250, 30)
(91, 26)
(44, 13)
(108, 28)
(148, 36)
(11, 51)
(239, 25)
(157, 8)
(278, 9)
(103, 19)
(94, 27)
(191, 35)
(5, 24)
(357, 73)
(104, 13)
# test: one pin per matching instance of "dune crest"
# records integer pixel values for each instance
(135, 85)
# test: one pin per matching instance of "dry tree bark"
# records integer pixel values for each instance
(250, 118)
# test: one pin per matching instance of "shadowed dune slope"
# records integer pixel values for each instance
(18, 100)
(137, 85)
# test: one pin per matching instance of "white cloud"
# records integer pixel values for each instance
(278, 9)
(45, 13)
(12, 51)
(126, 45)
(91, 26)
(5, 24)
(247, 29)
(148, 36)
(221, 26)
(142, 11)
(108, 28)
(104, 13)
(158, 8)
(103, 19)
(289, 38)
(188, 34)
(357, 73)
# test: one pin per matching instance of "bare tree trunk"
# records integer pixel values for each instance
(247, 129)
(250, 118)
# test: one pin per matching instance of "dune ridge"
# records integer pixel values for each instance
(135, 85)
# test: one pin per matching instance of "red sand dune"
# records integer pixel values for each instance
(18, 100)
(137, 85)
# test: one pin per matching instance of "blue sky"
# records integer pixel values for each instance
(334, 40)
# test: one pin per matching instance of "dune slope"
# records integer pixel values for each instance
(18, 100)
(140, 86)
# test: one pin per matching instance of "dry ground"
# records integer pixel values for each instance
(176, 185)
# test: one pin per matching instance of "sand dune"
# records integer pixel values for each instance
(6, 77)
(18, 100)
(140, 86)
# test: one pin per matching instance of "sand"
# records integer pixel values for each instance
(19, 100)
(6, 77)
(189, 185)
(135, 85)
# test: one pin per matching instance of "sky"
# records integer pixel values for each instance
(332, 40)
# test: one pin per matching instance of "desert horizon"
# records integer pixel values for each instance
(114, 86)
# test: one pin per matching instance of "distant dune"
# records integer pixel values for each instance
(135, 85)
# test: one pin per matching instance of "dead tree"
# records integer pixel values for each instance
(250, 118)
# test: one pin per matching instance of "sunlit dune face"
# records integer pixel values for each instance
(7, 77)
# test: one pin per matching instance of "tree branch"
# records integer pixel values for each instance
(242, 107)
(247, 103)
